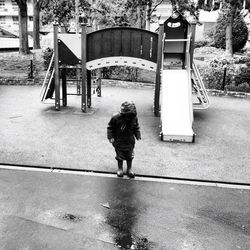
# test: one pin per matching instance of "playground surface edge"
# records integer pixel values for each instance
(34, 134)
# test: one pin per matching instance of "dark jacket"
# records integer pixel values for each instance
(124, 131)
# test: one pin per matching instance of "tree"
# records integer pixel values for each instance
(143, 9)
(36, 24)
(61, 11)
(37, 6)
(231, 6)
(239, 31)
(23, 27)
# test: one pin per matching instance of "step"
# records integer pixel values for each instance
(178, 138)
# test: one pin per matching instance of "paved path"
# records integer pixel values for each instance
(42, 210)
(34, 134)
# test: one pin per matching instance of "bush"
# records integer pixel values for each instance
(243, 87)
(243, 77)
(239, 32)
(242, 60)
(124, 73)
(237, 75)
(200, 44)
(213, 73)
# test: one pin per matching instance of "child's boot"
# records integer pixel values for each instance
(130, 173)
(120, 169)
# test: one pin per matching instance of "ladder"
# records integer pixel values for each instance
(200, 89)
(47, 81)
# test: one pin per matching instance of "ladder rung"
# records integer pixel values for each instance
(177, 40)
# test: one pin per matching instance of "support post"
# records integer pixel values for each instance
(88, 88)
(224, 77)
(64, 87)
(99, 85)
(158, 71)
(193, 30)
(84, 70)
(78, 81)
(31, 75)
(56, 66)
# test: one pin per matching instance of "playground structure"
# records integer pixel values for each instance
(169, 53)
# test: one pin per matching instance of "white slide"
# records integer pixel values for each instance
(176, 106)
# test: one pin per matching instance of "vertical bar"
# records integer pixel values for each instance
(88, 30)
(158, 71)
(64, 87)
(224, 77)
(99, 84)
(84, 73)
(31, 69)
(78, 81)
(193, 30)
(188, 46)
(88, 88)
(188, 68)
(56, 65)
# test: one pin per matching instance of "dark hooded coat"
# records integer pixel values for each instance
(124, 129)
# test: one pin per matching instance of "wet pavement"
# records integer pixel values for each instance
(44, 210)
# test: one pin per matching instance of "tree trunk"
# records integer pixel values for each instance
(77, 16)
(139, 23)
(23, 29)
(148, 18)
(36, 24)
(229, 40)
(229, 30)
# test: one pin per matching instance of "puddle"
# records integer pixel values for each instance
(122, 220)
(127, 241)
(72, 217)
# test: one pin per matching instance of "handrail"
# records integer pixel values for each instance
(47, 73)
(201, 87)
(47, 89)
(176, 40)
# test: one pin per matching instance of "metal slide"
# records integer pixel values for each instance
(176, 106)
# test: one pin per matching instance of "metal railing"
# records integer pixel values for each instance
(200, 88)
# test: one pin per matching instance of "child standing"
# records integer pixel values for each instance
(122, 130)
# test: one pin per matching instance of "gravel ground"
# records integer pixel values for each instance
(33, 133)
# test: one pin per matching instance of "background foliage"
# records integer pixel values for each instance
(237, 71)
(239, 31)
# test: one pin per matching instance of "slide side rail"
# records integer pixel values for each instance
(47, 79)
(201, 90)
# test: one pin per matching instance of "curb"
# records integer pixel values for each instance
(215, 92)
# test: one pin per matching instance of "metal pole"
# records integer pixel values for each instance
(56, 66)
(31, 70)
(84, 70)
(88, 88)
(158, 71)
(64, 87)
(193, 31)
(224, 78)
(99, 86)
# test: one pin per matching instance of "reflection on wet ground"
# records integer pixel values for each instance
(123, 216)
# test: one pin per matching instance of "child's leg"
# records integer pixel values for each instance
(120, 169)
(129, 169)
